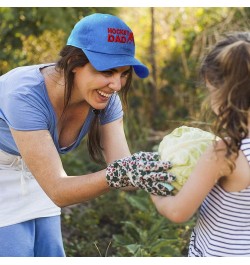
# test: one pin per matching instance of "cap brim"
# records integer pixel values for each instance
(102, 62)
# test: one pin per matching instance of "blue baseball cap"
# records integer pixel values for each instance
(107, 42)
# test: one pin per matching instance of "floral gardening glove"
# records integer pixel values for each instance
(143, 170)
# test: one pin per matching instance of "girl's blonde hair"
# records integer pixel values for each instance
(227, 68)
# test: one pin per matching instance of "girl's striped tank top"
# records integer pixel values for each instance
(223, 225)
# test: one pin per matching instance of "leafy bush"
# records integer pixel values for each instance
(122, 224)
(88, 228)
(147, 234)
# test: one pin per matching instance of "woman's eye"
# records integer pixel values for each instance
(107, 73)
(125, 74)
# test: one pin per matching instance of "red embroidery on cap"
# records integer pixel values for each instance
(120, 35)
(131, 37)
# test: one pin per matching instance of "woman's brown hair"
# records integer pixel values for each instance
(227, 69)
(72, 57)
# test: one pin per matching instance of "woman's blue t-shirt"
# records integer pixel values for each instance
(25, 106)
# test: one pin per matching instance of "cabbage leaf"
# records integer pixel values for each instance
(183, 147)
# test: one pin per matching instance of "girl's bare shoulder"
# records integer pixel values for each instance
(239, 178)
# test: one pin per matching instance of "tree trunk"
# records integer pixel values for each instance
(153, 74)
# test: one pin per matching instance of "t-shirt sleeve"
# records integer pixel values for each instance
(25, 111)
(113, 110)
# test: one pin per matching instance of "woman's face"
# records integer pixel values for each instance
(96, 87)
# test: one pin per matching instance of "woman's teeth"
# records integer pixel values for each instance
(104, 94)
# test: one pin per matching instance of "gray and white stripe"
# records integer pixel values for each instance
(223, 225)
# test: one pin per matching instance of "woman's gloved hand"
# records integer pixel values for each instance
(143, 170)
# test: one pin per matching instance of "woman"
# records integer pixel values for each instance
(46, 110)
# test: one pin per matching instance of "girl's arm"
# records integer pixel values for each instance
(40, 155)
(181, 207)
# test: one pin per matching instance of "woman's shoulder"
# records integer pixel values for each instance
(22, 76)
(22, 81)
(23, 94)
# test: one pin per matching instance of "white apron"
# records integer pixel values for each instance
(21, 197)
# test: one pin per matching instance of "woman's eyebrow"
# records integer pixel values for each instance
(116, 70)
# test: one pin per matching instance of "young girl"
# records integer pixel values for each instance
(220, 182)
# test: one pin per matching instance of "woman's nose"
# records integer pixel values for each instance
(115, 84)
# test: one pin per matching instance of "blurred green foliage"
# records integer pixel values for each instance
(126, 223)
(122, 225)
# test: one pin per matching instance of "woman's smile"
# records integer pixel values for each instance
(103, 94)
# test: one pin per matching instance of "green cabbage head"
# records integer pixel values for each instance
(183, 147)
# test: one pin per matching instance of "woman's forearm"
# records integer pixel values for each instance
(70, 190)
